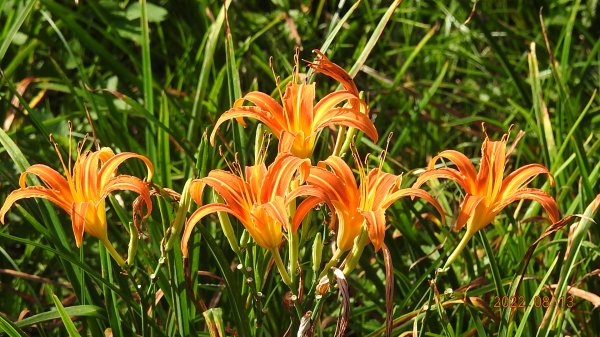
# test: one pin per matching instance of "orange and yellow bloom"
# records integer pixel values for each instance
(259, 200)
(487, 191)
(82, 190)
(352, 205)
(297, 120)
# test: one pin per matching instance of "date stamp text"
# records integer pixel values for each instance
(562, 302)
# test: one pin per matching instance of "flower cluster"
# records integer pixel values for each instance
(273, 201)
(261, 197)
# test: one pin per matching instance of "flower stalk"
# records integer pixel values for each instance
(111, 250)
(357, 249)
(282, 269)
(335, 259)
(461, 245)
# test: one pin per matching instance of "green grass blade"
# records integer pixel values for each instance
(334, 32)
(10, 328)
(110, 297)
(146, 61)
(75, 310)
(362, 58)
(66, 319)
(239, 312)
(235, 91)
(209, 53)
(411, 57)
(531, 304)
(22, 15)
(15, 153)
(581, 232)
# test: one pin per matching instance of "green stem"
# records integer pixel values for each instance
(334, 260)
(357, 249)
(461, 245)
(111, 250)
(339, 141)
(282, 270)
(349, 137)
(293, 246)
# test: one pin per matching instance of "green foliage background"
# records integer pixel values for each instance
(155, 76)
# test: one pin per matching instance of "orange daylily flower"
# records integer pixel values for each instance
(351, 204)
(81, 192)
(487, 191)
(297, 121)
(259, 200)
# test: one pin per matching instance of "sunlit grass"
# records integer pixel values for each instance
(155, 76)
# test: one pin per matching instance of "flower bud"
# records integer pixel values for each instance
(317, 253)
(133, 243)
(180, 216)
(226, 227)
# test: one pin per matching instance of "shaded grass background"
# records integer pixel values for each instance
(154, 76)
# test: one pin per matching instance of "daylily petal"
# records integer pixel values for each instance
(324, 66)
(342, 170)
(277, 210)
(253, 112)
(332, 186)
(298, 101)
(280, 174)
(467, 210)
(349, 222)
(521, 178)
(262, 101)
(306, 206)
(88, 175)
(414, 192)
(227, 185)
(349, 118)
(287, 140)
(381, 184)
(264, 229)
(129, 183)
(255, 177)
(196, 217)
(315, 196)
(114, 162)
(447, 173)
(34, 192)
(49, 177)
(376, 225)
(491, 169)
(105, 153)
(534, 194)
(78, 214)
(329, 102)
(196, 190)
(463, 164)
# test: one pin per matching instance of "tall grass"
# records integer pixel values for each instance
(154, 76)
